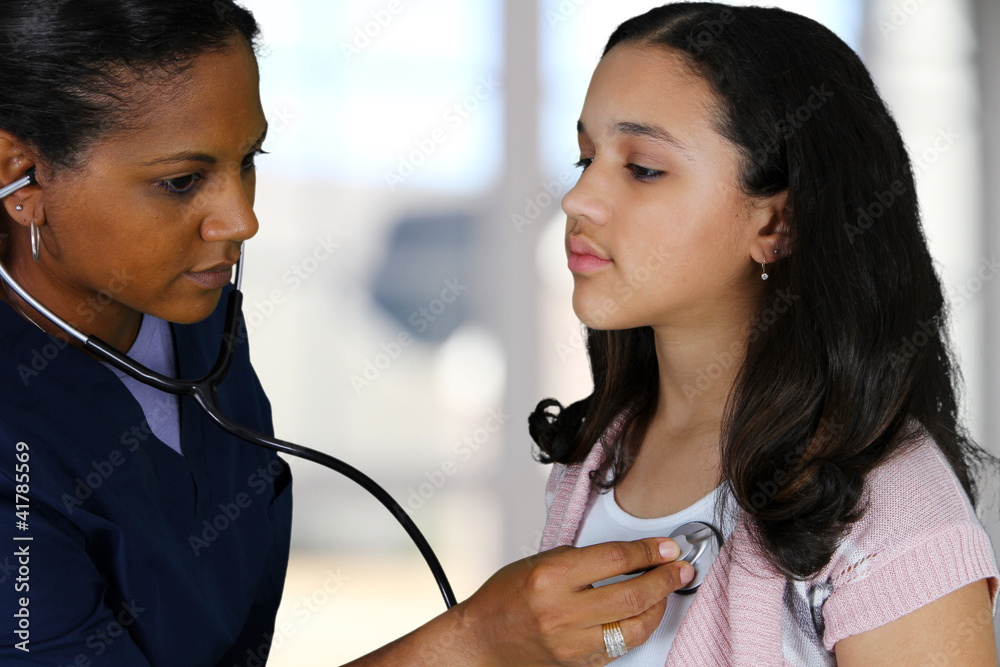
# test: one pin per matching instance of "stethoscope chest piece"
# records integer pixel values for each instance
(700, 544)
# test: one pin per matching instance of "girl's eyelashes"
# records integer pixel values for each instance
(644, 174)
(639, 173)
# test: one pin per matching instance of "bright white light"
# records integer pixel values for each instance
(470, 370)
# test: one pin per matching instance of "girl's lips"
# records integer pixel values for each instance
(584, 257)
(211, 279)
(579, 263)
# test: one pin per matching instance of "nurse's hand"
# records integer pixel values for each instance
(543, 610)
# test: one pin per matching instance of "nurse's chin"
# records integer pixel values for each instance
(191, 310)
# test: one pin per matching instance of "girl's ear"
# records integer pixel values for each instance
(28, 203)
(771, 239)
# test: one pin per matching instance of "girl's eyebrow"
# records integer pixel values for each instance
(647, 131)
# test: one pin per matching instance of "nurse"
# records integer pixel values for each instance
(132, 530)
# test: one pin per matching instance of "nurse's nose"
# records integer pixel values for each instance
(231, 216)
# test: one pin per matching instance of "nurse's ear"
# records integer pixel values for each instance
(770, 229)
(28, 203)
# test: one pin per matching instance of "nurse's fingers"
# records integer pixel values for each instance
(633, 597)
(544, 610)
(603, 561)
(635, 632)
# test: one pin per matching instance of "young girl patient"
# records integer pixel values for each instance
(767, 336)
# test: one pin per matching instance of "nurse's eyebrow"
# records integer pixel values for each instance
(182, 157)
(195, 157)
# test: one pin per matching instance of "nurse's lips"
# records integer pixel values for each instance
(215, 277)
(584, 257)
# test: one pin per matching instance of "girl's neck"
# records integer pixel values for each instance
(678, 461)
(697, 370)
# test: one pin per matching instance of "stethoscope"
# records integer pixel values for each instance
(694, 541)
(700, 543)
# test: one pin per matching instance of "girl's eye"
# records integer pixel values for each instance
(584, 162)
(250, 161)
(181, 185)
(643, 173)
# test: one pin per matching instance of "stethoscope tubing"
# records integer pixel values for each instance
(203, 391)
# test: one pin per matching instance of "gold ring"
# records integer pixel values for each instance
(614, 642)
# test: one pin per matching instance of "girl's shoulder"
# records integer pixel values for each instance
(910, 498)
(918, 540)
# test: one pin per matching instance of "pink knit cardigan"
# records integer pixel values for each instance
(919, 540)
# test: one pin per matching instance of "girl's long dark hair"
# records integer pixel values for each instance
(849, 349)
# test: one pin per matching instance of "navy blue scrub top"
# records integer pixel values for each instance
(137, 555)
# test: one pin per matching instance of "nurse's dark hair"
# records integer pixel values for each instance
(66, 66)
(849, 347)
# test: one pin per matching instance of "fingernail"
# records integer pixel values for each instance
(669, 550)
(687, 574)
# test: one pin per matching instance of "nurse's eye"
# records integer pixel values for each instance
(181, 185)
(250, 161)
(584, 162)
(643, 174)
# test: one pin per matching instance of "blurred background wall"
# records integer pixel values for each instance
(407, 295)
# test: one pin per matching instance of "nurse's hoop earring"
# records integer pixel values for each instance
(36, 241)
